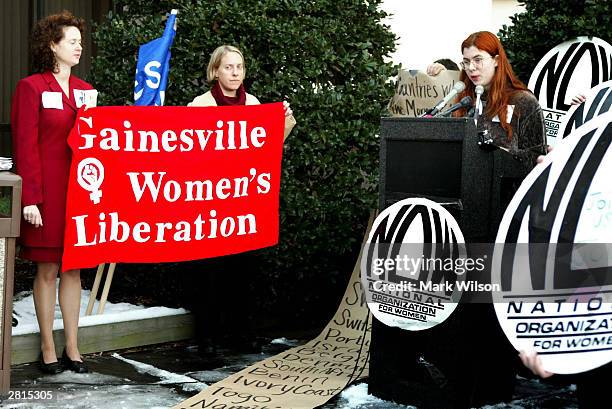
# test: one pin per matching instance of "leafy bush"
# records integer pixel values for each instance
(326, 58)
(547, 23)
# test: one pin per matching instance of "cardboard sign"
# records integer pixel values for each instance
(410, 265)
(417, 92)
(556, 283)
(306, 376)
(158, 184)
(569, 69)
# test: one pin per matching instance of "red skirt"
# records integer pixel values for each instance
(42, 254)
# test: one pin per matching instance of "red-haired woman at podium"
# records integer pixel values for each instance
(43, 112)
(508, 112)
(509, 118)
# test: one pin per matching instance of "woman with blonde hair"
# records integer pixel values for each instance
(226, 72)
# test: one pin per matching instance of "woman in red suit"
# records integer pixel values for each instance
(43, 112)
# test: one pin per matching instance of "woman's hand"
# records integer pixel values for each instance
(31, 214)
(578, 99)
(540, 158)
(532, 361)
(288, 111)
(435, 69)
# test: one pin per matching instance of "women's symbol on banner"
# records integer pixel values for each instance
(90, 175)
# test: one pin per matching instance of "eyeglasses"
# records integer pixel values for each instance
(465, 64)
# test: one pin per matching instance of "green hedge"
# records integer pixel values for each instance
(327, 58)
(547, 23)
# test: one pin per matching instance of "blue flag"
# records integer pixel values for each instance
(153, 67)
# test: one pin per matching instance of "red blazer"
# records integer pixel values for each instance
(41, 152)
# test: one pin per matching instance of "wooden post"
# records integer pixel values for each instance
(107, 284)
(94, 289)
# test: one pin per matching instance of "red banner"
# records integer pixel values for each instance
(158, 184)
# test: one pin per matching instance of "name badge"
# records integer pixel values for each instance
(87, 97)
(508, 115)
(51, 99)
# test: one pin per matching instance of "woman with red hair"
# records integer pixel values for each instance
(44, 109)
(510, 114)
(510, 117)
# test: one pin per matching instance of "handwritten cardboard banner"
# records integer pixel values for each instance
(307, 376)
(158, 184)
(416, 92)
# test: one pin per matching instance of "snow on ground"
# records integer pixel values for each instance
(357, 396)
(354, 397)
(285, 341)
(75, 396)
(164, 388)
(96, 390)
(23, 307)
(188, 384)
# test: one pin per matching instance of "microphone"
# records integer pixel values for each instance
(457, 88)
(478, 90)
(465, 102)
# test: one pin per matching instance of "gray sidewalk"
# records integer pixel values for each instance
(164, 375)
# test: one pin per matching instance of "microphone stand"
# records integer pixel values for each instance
(464, 103)
(478, 104)
(476, 114)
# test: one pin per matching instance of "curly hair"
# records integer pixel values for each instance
(47, 30)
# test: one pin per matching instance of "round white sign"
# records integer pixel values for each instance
(569, 69)
(556, 281)
(412, 264)
(598, 102)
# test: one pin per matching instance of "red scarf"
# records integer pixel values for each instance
(223, 100)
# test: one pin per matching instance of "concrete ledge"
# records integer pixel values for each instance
(110, 336)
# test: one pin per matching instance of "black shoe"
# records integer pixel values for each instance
(53, 368)
(75, 366)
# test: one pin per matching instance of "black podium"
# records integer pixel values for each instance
(440, 159)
